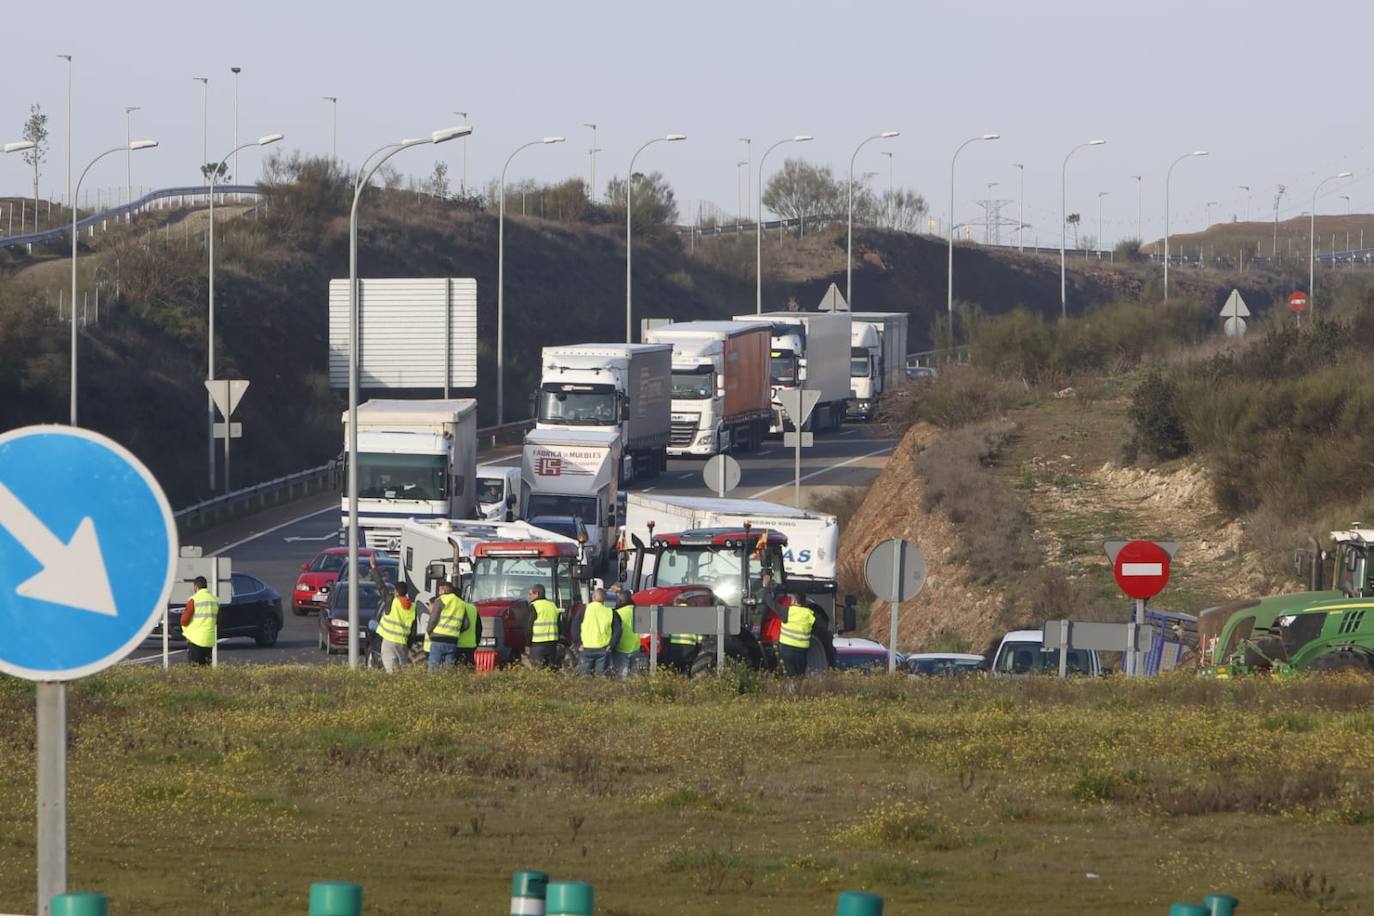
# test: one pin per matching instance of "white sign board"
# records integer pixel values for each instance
(415, 333)
(226, 393)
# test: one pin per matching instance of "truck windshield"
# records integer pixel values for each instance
(510, 577)
(578, 405)
(402, 476)
(490, 490)
(782, 368)
(553, 505)
(1033, 658)
(859, 361)
(718, 570)
(693, 386)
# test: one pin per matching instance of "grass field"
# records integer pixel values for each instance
(230, 791)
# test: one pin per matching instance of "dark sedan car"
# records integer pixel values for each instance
(333, 634)
(254, 611)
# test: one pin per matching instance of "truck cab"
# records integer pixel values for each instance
(866, 371)
(498, 493)
(568, 484)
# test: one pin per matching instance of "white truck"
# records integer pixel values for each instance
(722, 400)
(877, 359)
(498, 492)
(809, 350)
(623, 387)
(416, 459)
(568, 485)
(812, 537)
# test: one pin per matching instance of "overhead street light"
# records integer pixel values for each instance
(210, 345)
(1020, 205)
(758, 255)
(1168, 180)
(501, 280)
(629, 238)
(949, 279)
(354, 326)
(849, 244)
(1312, 244)
(18, 146)
(463, 181)
(128, 158)
(1063, 228)
(135, 145)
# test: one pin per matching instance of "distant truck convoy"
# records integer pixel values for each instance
(568, 484)
(623, 387)
(877, 359)
(810, 350)
(722, 400)
(416, 459)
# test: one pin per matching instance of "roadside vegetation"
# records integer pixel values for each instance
(230, 791)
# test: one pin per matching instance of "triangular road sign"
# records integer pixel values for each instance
(833, 301)
(226, 392)
(798, 402)
(1235, 306)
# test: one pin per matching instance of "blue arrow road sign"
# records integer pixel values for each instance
(88, 552)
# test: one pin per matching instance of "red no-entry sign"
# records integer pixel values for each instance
(1298, 301)
(1141, 569)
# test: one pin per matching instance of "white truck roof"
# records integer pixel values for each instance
(862, 334)
(413, 413)
(612, 350)
(566, 436)
(703, 329)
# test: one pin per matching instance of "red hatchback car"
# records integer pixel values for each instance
(310, 593)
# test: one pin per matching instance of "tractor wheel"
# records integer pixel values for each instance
(1343, 660)
(1262, 652)
(705, 662)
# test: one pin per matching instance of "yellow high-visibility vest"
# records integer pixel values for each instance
(629, 639)
(545, 627)
(597, 622)
(796, 629)
(204, 625)
(396, 623)
(451, 611)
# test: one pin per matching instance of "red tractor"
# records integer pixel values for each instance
(710, 566)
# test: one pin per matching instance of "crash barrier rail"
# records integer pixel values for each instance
(927, 358)
(497, 432)
(532, 894)
(259, 496)
(49, 235)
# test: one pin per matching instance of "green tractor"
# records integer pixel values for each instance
(1246, 636)
(1333, 635)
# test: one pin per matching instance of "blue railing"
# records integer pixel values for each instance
(50, 235)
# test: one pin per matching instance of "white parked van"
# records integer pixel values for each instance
(1024, 652)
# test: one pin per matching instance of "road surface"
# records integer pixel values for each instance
(275, 553)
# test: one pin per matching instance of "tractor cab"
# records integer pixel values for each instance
(707, 566)
(504, 571)
(1351, 570)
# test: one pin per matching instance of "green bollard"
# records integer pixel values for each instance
(570, 898)
(79, 905)
(859, 903)
(527, 892)
(1187, 909)
(336, 898)
(1220, 904)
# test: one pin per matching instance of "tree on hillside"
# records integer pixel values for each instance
(219, 169)
(567, 200)
(1073, 220)
(36, 132)
(805, 191)
(902, 210)
(654, 201)
(438, 181)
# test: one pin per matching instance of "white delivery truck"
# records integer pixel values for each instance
(812, 537)
(810, 350)
(624, 387)
(568, 485)
(877, 357)
(722, 400)
(416, 459)
(498, 492)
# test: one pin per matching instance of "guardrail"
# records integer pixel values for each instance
(259, 496)
(498, 432)
(49, 235)
(924, 358)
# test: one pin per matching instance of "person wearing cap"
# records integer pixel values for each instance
(625, 650)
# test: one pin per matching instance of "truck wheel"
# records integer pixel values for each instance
(1343, 660)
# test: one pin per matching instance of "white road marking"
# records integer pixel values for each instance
(764, 451)
(849, 432)
(1142, 569)
(826, 470)
(254, 537)
(686, 476)
(647, 490)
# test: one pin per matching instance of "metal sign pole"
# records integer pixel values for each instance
(214, 590)
(166, 622)
(720, 478)
(898, 561)
(1138, 621)
(1063, 648)
(653, 640)
(720, 639)
(796, 463)
(52, 793)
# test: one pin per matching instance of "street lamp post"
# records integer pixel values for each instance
(1139, 210)
(204, 124)
(128, 158)
(1346, 198)
(849, 244)
(949, 279)
(354, 327)
(333, 101)
(629, 212)
(236, 71)
(748, 172)
(1100, 240)
(1312, 244)
(210, 343)
(1020, 205)
(741, 168)
(463, 181)
(591, 156)
(1168, 180)
(70, 202)
(501, 279)
(758, 240)
(891, 193)
(135, 145)
(1209, 205)
(1063, 229)
(1246, 189)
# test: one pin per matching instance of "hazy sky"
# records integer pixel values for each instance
(1274, 90)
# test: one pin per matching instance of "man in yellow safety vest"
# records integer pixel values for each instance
(543, 650)
(625, 651)
(396, 625)
(200, 623)
(794, 640)
(452, 628)
(600, 630)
